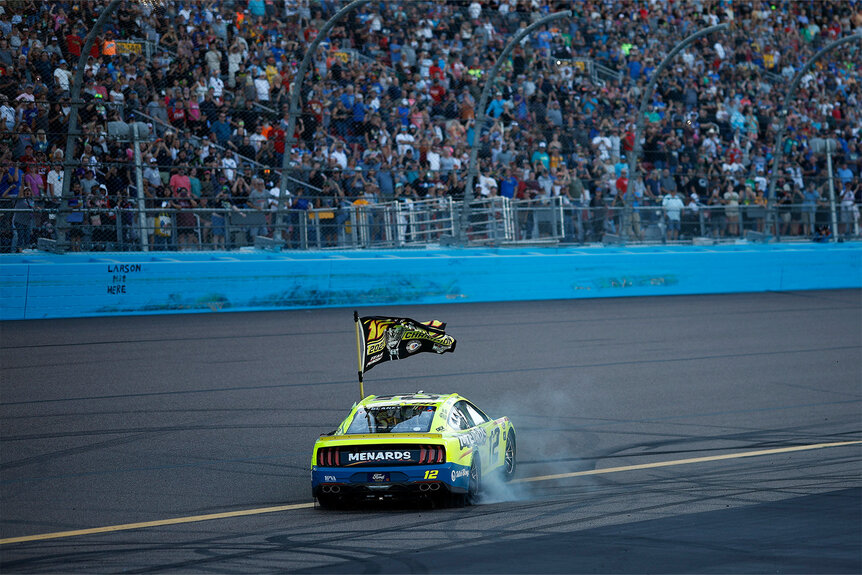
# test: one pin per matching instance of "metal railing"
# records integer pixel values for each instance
(600, 74)
(405, 223)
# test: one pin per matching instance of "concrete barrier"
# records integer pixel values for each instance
(43, 285)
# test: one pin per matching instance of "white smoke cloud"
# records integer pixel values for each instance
(550, 423)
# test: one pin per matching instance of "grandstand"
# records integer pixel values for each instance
(184, 111)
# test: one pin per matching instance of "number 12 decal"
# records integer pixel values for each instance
(495, 445)
(431, 474)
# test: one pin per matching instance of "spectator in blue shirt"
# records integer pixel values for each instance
(509, 184)
(541, 156)
(844, 174)
(810, 199)
(221, 128)
(496, 107)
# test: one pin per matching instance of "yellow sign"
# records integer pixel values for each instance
(129, 48)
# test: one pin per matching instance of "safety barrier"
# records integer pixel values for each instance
(42, 285)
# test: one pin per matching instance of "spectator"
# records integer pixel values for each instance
(424, 65)
(731, 208)
(22, 219)
(673, 206)
(179, 180)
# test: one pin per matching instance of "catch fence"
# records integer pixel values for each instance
(396, 224)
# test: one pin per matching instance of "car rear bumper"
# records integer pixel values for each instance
(389, 482)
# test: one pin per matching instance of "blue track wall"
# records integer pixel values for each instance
(73, 285)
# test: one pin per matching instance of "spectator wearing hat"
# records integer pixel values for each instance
(540, 156)
(33, 181)
(229, 165)
(109, 45)
(26, 95)
(179, 179)
(151, 174)
(673, 206)
(89, 182)
(102, 218)
(404, 142)
(496, 106)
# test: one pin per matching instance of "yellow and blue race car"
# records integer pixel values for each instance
(414, 445)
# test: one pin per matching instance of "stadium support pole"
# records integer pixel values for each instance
(72, 136)
(778, 149)
(830, 147)
(480, 116)
(139, 185)
(296, 91)
(634, 155)
(359, 354)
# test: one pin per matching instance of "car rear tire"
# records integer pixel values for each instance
(327, 502)
(510, 462)
(474, 491)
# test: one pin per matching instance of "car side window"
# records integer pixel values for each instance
(458, 418)
(478, 417)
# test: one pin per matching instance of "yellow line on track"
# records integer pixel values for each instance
(685, 461)
(159, 523)
(261, 510)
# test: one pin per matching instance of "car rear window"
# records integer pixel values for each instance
(392, 419)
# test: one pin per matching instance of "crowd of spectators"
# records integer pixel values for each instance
(389, 110)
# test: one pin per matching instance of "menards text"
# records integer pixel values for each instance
(379, 456)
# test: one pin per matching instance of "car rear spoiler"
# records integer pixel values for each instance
(380, 437)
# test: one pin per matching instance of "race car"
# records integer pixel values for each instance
(418, 445)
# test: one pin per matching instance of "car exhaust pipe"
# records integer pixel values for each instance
(424, 487)
(325, 488)
(335, 489)
(434, 486)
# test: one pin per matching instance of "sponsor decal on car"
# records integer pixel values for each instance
(476, 436)
(329, 478)
(378, 456)
(460, 473)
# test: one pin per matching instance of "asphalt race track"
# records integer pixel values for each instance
(698, 434)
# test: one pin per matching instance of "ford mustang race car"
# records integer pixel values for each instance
(414, 445)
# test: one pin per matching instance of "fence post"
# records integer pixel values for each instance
(139, 185)
(830, 143)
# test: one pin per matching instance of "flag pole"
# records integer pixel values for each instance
(359, 355)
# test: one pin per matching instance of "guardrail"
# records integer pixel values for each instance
(398, 224)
